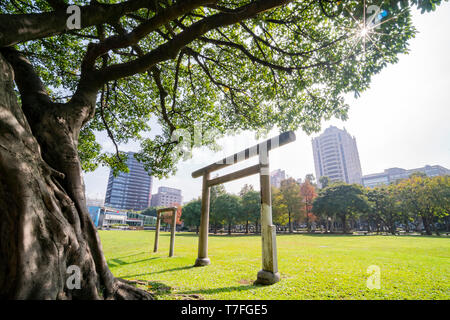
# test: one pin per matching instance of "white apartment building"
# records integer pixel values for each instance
(166, 197)
(336, 156)
(276, 177)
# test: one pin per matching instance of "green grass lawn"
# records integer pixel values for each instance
(311, 266)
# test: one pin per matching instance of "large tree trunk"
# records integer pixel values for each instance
(344, 224)
(45, 226)
(290, 223)
(307, 222)
(426, 224)
(391, 226)
(434, 225)
(406, 222)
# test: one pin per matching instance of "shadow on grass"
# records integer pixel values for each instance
(315, 235)
(158, 272)
(118, 262)
(158, 287)
(154, 287)
(193, 235)
(161, 289)
(224, 289)
(131, 255)
(279, 234)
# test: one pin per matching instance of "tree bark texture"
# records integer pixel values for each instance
(44, 225)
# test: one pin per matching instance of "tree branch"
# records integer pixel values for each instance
(156, 73)
(170, 49)
(16, 28)
(125, 40)
(30, 85)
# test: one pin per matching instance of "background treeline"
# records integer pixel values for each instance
(418, 204)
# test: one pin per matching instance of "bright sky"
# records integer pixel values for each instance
(401, 121)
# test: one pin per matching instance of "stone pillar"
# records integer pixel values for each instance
(172, 232)
(158, 223)
(269, 273)
(202, 259)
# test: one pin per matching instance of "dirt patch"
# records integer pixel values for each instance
(158, 288)
(245, 281)
(154, 287)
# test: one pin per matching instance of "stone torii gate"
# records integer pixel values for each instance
(269, 273)
(172, 231)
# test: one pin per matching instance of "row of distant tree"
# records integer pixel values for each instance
(291, 205)
(418, 203)
(414, 204)
(233, 212)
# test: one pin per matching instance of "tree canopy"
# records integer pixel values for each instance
(150, 211)
(291, 199)
(308, 194)
(191, 213)
(341, 200)
(228, 209)
(202, 66)
(251, 206)
(429, 197)
(385, 206)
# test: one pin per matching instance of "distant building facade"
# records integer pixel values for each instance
(94, 202)
(104, 217)
(336, 156)
(393, 174)
(132, 190)
(166, 197)
(94, 212)
(276, 177)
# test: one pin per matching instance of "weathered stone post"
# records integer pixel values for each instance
(172, 232)
(203, 259)
(158, 223)
(269, 273)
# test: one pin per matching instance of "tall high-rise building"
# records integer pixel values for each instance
(166, 197)
(336, 156)
(132, 190)
(276, 177)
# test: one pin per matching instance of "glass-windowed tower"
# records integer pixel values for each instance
(132, 190)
